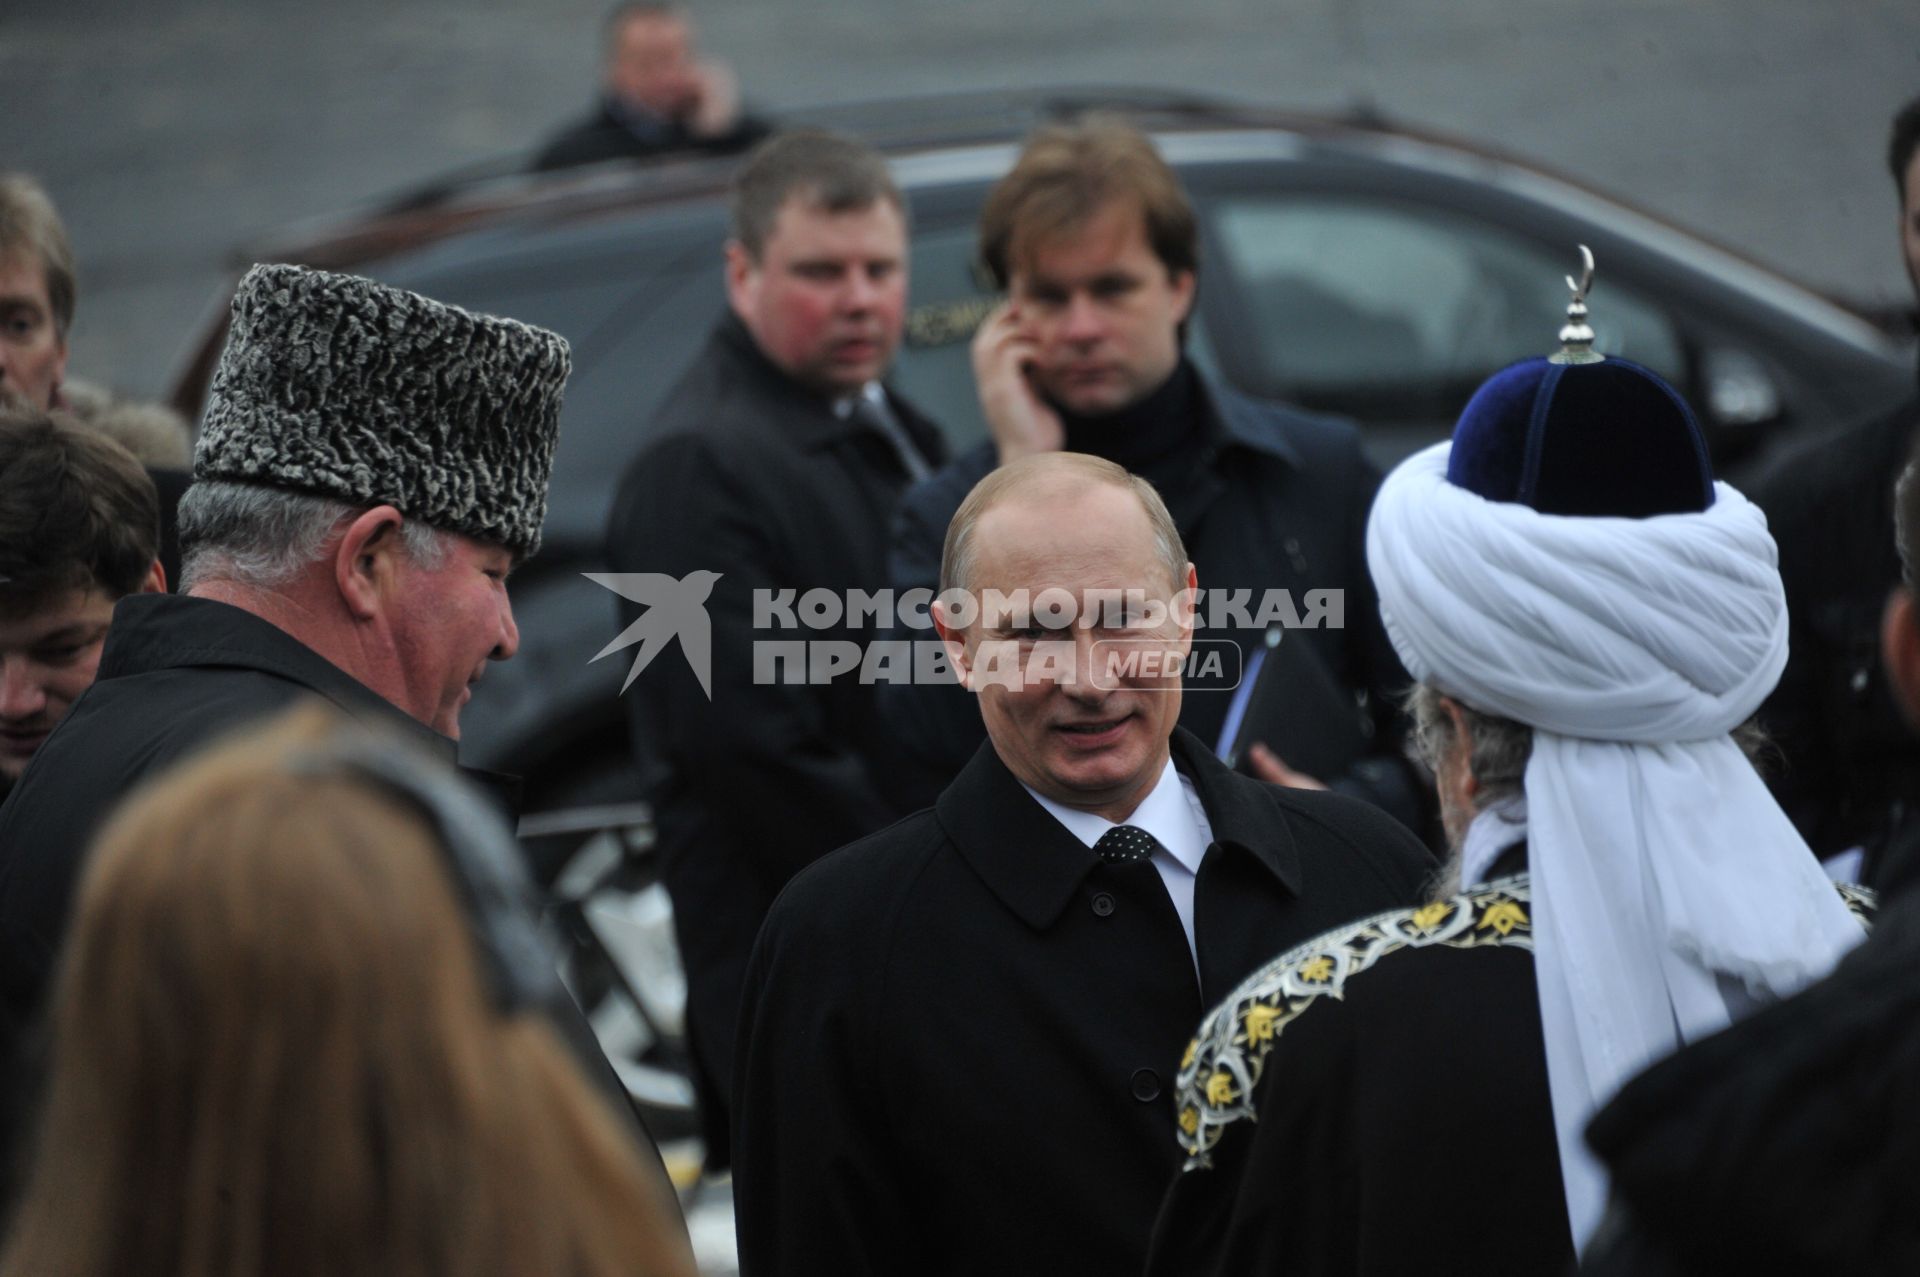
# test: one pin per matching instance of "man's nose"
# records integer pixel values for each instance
(1084, 320)
(860, 292)
(508, 640)
(22, 696)
(1082, 680)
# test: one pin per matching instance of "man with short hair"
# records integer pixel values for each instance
(657, 95)
(372, 466)
(957, 1032)
(1591, 618)
(79, 530)
(1098, 248)
(776, 463)
(36, 295)
(1851, 779)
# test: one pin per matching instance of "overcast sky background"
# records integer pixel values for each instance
(171, 132)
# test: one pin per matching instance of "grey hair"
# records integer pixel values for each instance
(1501, 746)
(263, 537)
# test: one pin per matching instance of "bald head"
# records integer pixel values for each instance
(1033, 487)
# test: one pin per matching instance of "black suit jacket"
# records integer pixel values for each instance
(959, 1035)
(754, 477)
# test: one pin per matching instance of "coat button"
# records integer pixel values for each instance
(1146, 1086)
(1102, 904)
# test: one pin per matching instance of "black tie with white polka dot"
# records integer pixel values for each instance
(1124, 843)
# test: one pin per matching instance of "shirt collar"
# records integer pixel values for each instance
(872, 392)
(1034, 865)
(1168, 812)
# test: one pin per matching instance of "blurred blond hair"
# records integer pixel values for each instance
(274, 1054)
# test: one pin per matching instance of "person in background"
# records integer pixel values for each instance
(79, 531)
(36, 295)
(775, 463)
(1098, 248)
(1851, 774)
(292, 1038)
(657, 96)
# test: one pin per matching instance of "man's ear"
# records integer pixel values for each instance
(1462, 747)
(156, 582)
(1188, 603)
(955, 641)
(1182, 283)
(366, 562)
(741, 271)
(1900, 651)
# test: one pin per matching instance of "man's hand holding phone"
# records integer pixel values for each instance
(1003, 357)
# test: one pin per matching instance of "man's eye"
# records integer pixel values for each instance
(63, 654)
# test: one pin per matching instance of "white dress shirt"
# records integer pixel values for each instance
(1173, 815)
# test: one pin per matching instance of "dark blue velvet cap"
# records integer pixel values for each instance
(1607, 438)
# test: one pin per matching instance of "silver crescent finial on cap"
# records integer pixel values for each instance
(1576, 338)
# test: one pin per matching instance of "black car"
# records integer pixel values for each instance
(1349, 266)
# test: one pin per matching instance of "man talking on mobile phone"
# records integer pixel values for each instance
(1097, 246)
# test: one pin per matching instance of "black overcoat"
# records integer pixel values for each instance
(960, 1035)
(754, 477)
(177, 673)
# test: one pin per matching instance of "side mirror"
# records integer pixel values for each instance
(1737, 392)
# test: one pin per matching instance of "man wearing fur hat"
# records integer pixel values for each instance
(372, 467)
(1589, 618)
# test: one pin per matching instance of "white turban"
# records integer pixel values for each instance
(1669, 889)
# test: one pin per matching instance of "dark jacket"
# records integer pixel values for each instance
(1398, 1098)
(176, 674)
(959, 1034)
(754, 477)
(1789, 1143)
(1851, 773)
(1279, 501)
(608, 133)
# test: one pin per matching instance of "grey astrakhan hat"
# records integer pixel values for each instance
(339, 387)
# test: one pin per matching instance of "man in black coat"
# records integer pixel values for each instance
(1851, 777)
(1098, 247)
(777, 461)
(1590, 618)
(958, 1034)
(372, 466)
(656, 96)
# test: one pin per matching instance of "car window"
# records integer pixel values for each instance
(1390, 311)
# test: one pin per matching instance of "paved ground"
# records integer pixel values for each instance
(172, 130)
